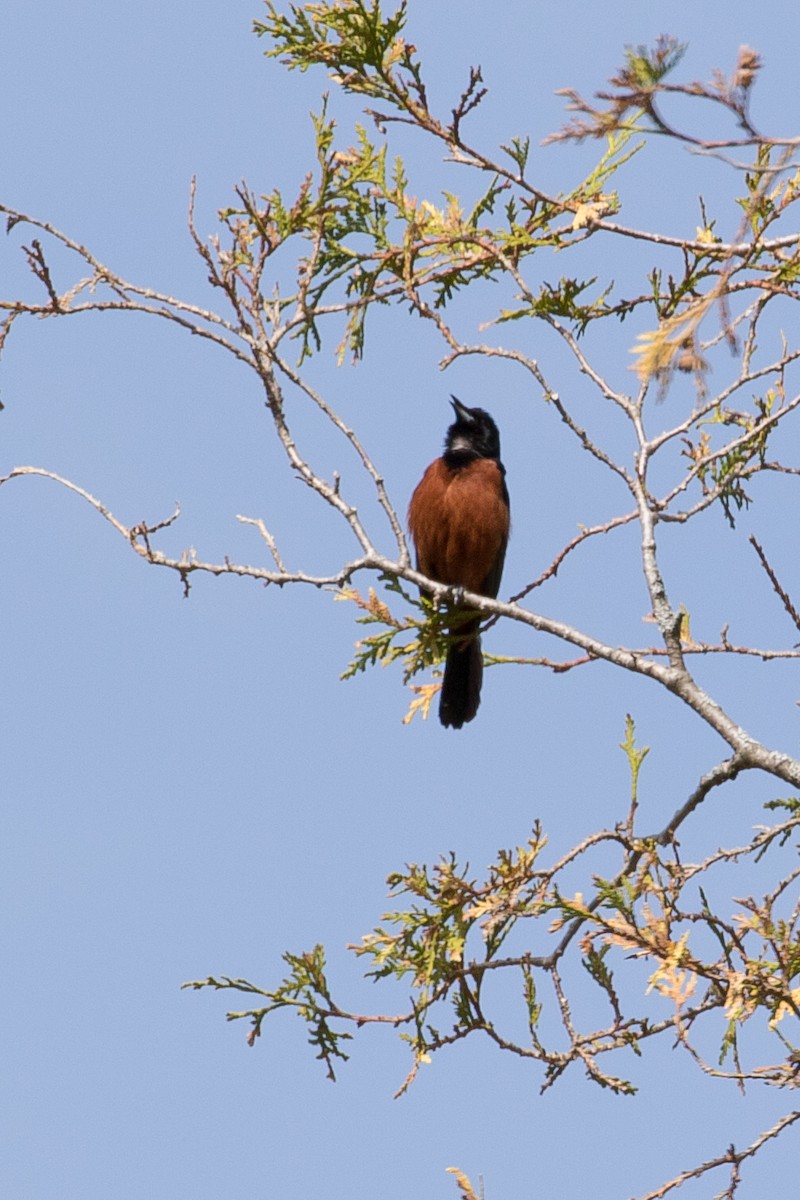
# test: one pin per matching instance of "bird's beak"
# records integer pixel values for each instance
(461, 411)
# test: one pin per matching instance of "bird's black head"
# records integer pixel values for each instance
(473, 434)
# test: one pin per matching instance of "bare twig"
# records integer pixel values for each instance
(784, 596)
(730, 1157)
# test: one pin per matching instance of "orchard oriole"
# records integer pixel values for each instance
(459, 518)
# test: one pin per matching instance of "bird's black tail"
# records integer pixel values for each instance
(461, 686)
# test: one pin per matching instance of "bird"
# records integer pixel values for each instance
(459, 517)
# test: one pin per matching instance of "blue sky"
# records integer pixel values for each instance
(189, 788)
